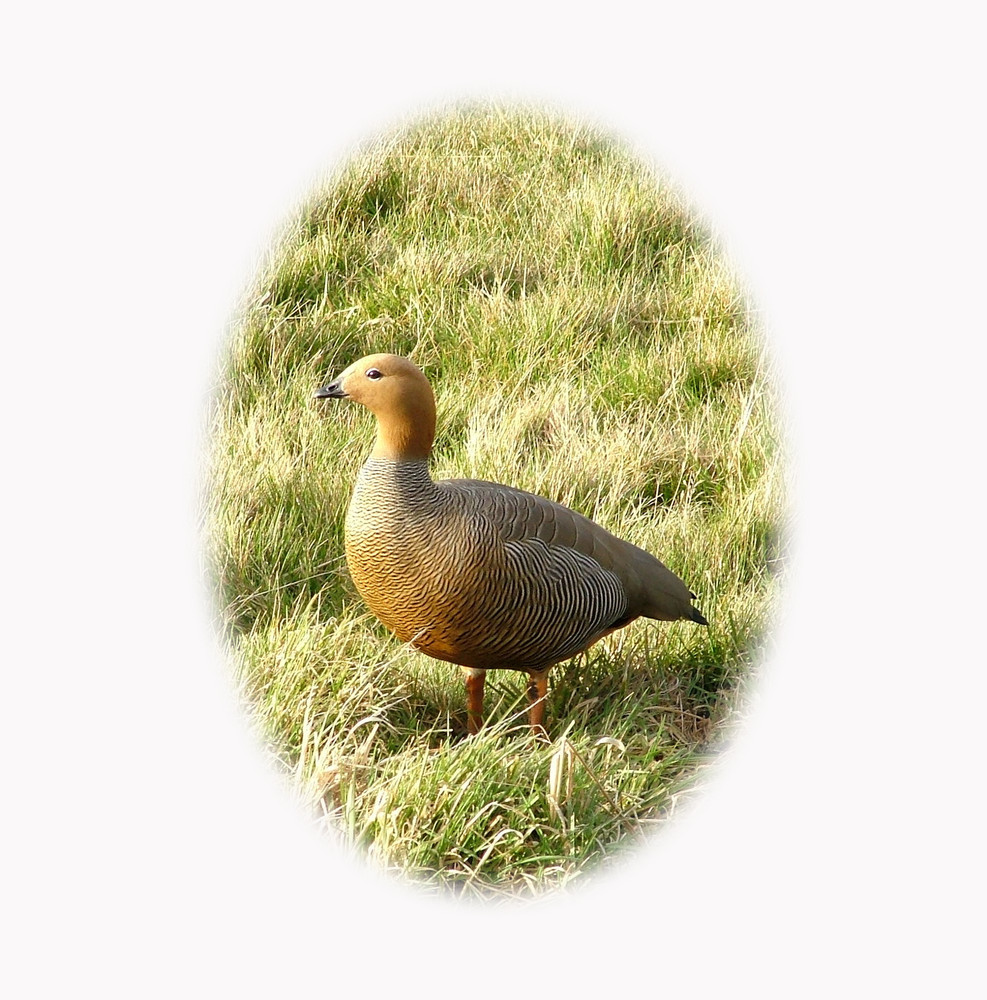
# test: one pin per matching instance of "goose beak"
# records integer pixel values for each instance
(331, 391)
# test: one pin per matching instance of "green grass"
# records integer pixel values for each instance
(587, 341)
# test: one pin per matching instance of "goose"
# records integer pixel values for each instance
(475, 573)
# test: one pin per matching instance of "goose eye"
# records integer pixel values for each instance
(374, 374)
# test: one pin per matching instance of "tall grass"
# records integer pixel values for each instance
(587, 342)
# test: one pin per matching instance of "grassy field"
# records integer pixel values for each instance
(586, 341)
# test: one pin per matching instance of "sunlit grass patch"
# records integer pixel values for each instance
(586, 341)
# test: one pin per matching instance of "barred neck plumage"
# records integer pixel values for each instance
(386, 482)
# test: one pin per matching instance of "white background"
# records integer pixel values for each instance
(151, 151)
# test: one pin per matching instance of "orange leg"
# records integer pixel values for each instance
(537, 692)
(475, 679)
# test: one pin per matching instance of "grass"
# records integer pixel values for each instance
(587, 341)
